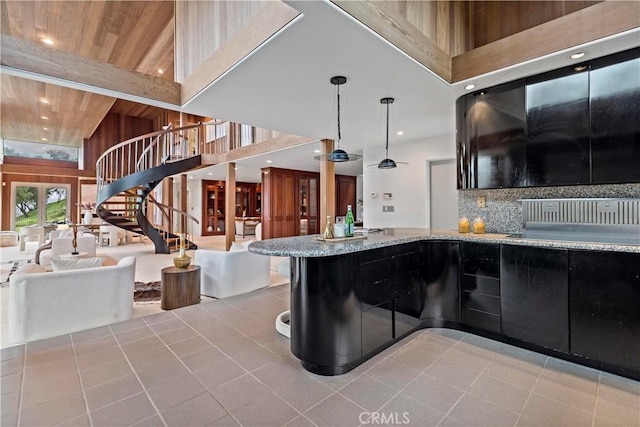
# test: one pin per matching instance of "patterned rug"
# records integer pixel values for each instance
(146, 292)
(7, 268)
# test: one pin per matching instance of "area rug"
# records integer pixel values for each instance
(146, 292)
(7, 268)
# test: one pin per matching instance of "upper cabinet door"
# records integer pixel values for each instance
(490, 141)
(615, 122)
(558, 129)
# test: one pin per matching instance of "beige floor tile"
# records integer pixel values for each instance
(335, 382)
(53, 412)
(153, 421)
(455, 374)
(50, 371)
(277, 373)
(517, 376)
(153, 357)
(218, 308)
(189, 345)
(90, 334)
(237, 346)
(433, 392)
(141, 346)
(96, 344)
(175, 390)
(15, 352)
(268, 410)
(102, 374)
(300, 421)
(9, 402)
(280, 346)
(226, 421)
(176, 335)
(37, 393)
(499, 393)
(620, 412)
(170, 324)
(569, 395)
(57, 354)
(11, 382)
(124, 413)
(368, 392)
(81, 421)
(335, 411)
(131, 335)
(48, 344)
(415, 359)
(199, 411)
(193, 314)
(303, 392)
(128, 324)
(159, 317)
(263, 335)
(11, 366)
(239, 392)
(405, 410)
(254, 359)
(250, 325)
(203, 358)
(392, 373)
(112, 391)
(540, 411)
(154, 374)
(219, 373)
(477, 412)
(99, 358)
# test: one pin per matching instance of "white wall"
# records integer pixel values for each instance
(194, 201)
(407, 183)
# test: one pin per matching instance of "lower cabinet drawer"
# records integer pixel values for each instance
(477, 301)
(481, 320)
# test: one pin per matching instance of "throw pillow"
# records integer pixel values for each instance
(75, 264)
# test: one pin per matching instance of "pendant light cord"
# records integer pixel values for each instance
(339, 136)
(386, 147)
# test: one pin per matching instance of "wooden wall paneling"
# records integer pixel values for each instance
(585, 25)
(230, 206)
(213, 36)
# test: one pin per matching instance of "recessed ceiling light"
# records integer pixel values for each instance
(44, 117)
(160, 71)
(44, 139)
(45, 101)
(400, 132)
(470, 86)
(316, 151)
(578, 55)
(269, 161)
(210, 173)
(236, 168)
(191, 177)
(45, 128)
(580, 68)
(47, 40)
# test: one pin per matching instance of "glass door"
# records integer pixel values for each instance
(39, 204)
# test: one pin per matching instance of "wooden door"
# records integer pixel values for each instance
(345, 194)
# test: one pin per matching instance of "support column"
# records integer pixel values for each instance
(327, 185)
(230, 205)
(167, 199)
(183, 202)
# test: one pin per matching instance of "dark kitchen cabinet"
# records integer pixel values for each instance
(604, 295)
(480, 283)
(494, 137)
(558, 128)
(440, 294)
(534, 293)
(615, 121)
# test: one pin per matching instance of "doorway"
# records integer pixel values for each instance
(443, 195)
(37, 203)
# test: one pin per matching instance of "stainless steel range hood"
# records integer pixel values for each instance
(589, 220)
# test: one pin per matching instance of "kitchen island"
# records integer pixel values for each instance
(351, 300)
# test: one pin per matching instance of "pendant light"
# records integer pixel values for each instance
(338, 155)
(387, 163)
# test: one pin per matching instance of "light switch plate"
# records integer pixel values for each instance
(388, 208)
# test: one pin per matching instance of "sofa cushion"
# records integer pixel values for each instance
(75, 264)
(30, 269)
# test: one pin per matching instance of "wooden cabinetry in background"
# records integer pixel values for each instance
(213, 196)
(345, 194)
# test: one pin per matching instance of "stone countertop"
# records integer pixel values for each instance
(310, 246)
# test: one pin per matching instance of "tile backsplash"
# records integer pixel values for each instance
(503, 213)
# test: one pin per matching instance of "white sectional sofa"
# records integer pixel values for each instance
(47, 304)
(224, 274)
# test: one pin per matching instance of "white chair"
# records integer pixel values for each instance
(111, 234)
(64, 245)
(259, 231)
(31, 233)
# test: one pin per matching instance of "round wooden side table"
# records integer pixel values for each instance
(180, 287)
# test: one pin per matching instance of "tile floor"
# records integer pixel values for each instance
(222, 363)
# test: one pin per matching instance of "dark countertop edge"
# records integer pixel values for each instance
(286, 246)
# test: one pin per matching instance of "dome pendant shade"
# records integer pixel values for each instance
(386, 164)
(338, 155)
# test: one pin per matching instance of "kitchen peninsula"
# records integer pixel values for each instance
(568, 299)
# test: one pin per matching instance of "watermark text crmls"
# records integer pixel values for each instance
(384, 418)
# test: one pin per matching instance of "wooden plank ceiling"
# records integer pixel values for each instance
(135, 35)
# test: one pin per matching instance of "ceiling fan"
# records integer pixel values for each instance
(387, 163)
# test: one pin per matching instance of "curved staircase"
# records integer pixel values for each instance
(128, 173)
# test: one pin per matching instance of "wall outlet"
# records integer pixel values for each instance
(387, 208)
(482, 202)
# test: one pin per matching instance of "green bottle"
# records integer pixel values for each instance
(348, 229)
